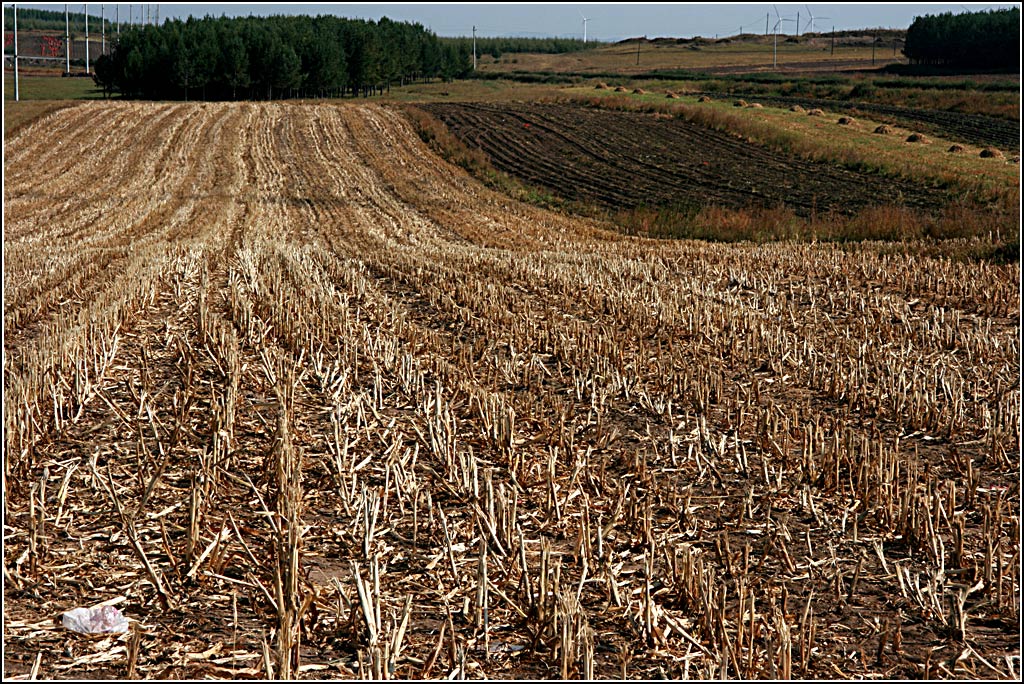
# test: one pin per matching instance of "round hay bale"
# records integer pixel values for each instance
(884, 129)
(815, 112)
(739, 103)
(991, 153)
(955, 148)
(918, 138)
(671, 96)
(639, 91)
(756, 105)
(798, 109)
(845, 120)
(703, 98)
(621, 89)
(601, 86)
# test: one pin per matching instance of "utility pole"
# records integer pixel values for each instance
(103, 33)
(833, 41)
(117, 18)
(17, 93)
(766, 15)
(67, 40)
(474, 48)
(86, 38)
(798, 23)
(775, 50)
(158, 14)
(638, 40)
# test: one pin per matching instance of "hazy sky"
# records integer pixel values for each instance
(607, 21)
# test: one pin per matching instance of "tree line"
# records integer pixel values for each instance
(48, 20)
(274, 57)
(496, 47)
(988, 39)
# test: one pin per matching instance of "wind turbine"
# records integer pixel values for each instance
(811, 22)
(585, 20)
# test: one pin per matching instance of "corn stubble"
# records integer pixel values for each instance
(319, 405)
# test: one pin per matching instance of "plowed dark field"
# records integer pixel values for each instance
(628, 159)
(976, 129)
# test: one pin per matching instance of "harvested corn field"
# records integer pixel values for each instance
(303, 400)
(627, 159)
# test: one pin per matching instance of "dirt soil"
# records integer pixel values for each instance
(627, 159)
(276, 370)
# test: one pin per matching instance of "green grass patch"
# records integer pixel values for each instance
(50, 88)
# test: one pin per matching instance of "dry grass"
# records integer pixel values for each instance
(755, 53)
(17, 116)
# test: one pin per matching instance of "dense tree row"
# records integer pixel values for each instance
(496, 47)
(274, 57)
(989, 39)
(48, 20)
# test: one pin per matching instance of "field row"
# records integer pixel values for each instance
(627, 159)
(316, 402)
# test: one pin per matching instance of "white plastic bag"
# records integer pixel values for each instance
(98, 620)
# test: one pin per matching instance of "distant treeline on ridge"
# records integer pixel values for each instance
(496, 47)
(275, 57)
(49, 20)
(989, 39)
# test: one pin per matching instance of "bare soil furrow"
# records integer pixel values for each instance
(601, 156)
